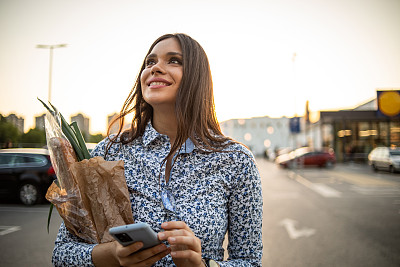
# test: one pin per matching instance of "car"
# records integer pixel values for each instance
(25, 174)
(385, 158)
(306, 157)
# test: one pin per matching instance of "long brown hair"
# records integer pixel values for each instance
(195, 110)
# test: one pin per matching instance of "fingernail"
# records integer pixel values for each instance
(173, 253)
(172, 239)
(161, 235)
(165, 224)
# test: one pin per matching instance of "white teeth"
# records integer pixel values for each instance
(158, 83)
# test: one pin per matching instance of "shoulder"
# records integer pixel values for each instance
(239, 162)
(233, 158)
(238, 151)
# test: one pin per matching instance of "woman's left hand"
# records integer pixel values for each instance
(185, 246)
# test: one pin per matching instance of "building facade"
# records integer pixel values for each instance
(18, 122)
(259, 134)
(39, 122)
(83, 123)
(355, 132)
(352, 133)
(114, 126)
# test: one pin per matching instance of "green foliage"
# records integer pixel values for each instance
(8, 132)
(95, 138)
(34, 136)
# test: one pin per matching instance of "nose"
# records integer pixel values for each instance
(157, 68)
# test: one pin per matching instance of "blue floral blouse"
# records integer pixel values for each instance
(214, 193)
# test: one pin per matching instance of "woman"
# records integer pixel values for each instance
(188, 181)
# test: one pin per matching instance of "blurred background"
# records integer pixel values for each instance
(269, 59)
(299, 82)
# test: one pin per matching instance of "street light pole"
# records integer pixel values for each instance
(51, 48)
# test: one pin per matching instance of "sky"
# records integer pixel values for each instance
(344, 51)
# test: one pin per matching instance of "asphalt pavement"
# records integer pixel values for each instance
(345, 216)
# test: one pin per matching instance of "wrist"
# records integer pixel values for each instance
(104, 255)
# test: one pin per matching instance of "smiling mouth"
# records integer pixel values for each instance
(158, 83)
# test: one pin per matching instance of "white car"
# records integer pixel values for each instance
(385, 158)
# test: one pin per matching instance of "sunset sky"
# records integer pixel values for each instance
(345, 51)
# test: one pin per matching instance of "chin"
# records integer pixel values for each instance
(159, 100)
(160, 103)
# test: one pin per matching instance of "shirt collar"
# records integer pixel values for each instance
(187, 147)
(151, 134)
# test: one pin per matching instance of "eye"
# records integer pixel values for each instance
(150, 62)
(175, 60)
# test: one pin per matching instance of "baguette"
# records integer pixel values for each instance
(62, 159)
(67, 197)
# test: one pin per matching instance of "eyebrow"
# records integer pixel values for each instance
(168, 54)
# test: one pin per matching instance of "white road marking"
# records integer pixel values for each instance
(321, 189)
(294, 233)
(325, 190)
(8, 229)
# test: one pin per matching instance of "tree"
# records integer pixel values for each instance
(34, 136)
(8, 132)
(95, 138)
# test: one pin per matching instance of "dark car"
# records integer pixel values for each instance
(385, 158)
(25, 174)
(305, 157)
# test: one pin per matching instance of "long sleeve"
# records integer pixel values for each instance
(245, 217)
(71, 251)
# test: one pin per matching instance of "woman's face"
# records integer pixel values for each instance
(162, 75)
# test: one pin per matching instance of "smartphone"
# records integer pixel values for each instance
(128, 234)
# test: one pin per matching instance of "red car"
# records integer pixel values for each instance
(304, 157)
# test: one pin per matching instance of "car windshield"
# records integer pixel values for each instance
(395, 153)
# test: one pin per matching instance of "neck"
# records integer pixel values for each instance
(165, 123)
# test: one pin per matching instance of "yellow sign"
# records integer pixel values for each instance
(389, 102)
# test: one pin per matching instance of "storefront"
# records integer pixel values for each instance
(354, 133)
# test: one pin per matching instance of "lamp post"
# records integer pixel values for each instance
(50, 47)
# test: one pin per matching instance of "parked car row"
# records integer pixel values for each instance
(25, 174)
(306, 157)
(380, 158)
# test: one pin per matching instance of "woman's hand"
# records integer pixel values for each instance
(185, 246)
(114, 254)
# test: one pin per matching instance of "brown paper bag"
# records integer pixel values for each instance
(98, 199)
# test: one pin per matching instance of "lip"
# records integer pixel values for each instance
(158, 80)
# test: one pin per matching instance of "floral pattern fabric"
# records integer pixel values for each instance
(215, 193)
